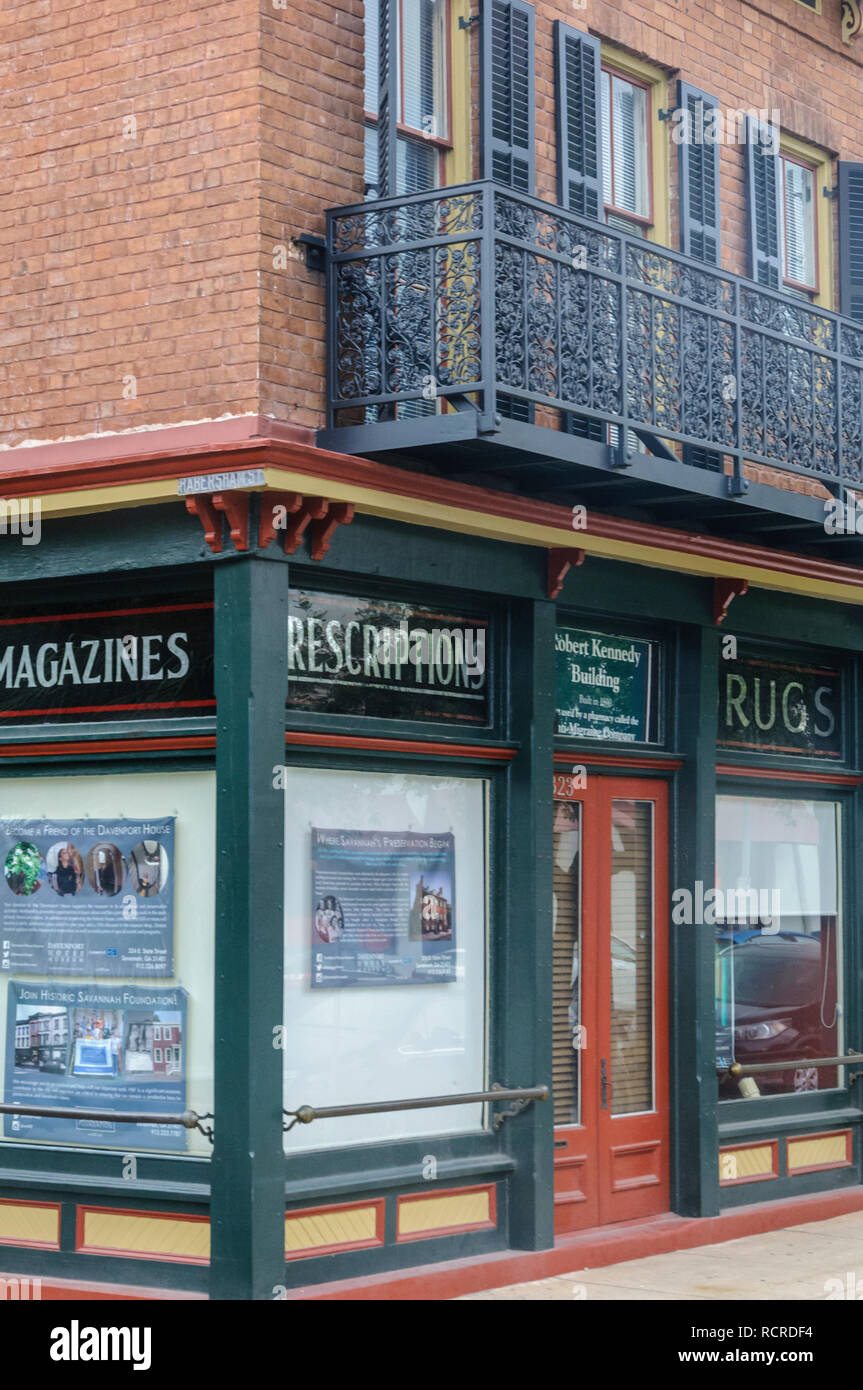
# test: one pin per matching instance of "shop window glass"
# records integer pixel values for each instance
(566, 921)
(778, 943)
(385, 950)
(632, 956)
(107, 911)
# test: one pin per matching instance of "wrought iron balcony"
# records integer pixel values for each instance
(560, 355)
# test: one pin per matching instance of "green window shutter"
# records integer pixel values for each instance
(388, 94)
(762, 186)
(507, 96)
(698, 164)
(851, 239)
(579, 124)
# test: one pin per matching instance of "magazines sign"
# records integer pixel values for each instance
(101, 663)
(606, 687)
(383, 908)
(386, 660)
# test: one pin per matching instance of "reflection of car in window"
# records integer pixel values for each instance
(776, 1001)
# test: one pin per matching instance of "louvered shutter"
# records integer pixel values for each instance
(388, 92)
(698, 162)
(579, 127)
(762, 183)
(507, 102)
(851, 239)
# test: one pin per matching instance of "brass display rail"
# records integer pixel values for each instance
(521, 1096)
(188, 1119)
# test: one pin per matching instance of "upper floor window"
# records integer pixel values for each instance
(626, 151)
(423, 101)
(800, 229)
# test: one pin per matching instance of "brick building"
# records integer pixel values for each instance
(507, 357)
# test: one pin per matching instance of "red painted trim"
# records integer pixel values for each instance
(618, 760)
(379, 1238)
(105, 613)
(117, 745)
(601, 1246)
(401, 745)
(33, 1244)
(82, 1249)
(435, 1232)
(822, 779)
(257, 442)
(69, 1290)
(741, 1148)
(820, 1167)
(25, 714)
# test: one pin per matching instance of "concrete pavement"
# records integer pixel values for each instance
(819, 1260)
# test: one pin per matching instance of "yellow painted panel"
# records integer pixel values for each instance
(755, 1162)
(19, 1224)
(806, 1153)
(329, 1228)
(120, 1233)
(441, 1213)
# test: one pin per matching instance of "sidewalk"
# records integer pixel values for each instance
(796, 1263)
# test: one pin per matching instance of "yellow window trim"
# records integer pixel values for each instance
(657, 81)
(457, 165)
(823, 163)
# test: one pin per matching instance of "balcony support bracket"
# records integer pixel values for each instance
(724, 593)
(560, 562)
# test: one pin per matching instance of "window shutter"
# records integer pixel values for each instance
(698, 162)
(579, 127)
(388, 97)
(851, 239)
(507, 104)
(762, 183)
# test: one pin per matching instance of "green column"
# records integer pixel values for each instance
(523, 1016)
(248, 1199)
(694, 1130)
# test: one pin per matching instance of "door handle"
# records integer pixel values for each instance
(604, 1084)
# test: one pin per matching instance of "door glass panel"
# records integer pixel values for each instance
(631, 957)
(566, 1018)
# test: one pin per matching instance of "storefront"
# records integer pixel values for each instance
(388, 807)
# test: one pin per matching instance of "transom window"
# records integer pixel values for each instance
(625, 151)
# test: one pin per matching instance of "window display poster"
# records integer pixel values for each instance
(383, 910)
(87, 897)
(96, 1047)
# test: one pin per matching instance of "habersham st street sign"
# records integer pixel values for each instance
(91, 663)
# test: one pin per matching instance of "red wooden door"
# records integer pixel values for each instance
(610, 1001)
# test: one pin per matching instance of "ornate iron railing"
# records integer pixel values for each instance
(475, 298)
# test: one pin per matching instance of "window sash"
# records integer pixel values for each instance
(799, 233)
(625, 150)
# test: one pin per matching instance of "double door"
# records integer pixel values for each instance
(610, 1001)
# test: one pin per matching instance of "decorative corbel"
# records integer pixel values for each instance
(271, 504)
(339, 514)
(201, 506)
(724, 591)
(235, 505)
(852, 20)
(560, 562)
(311, 509)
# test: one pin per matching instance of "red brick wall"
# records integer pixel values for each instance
(170, 257)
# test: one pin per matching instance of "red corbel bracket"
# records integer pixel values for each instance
(312, 509)
(724, 591)
(560, 562)
(271, 502)
(235, 505)
(339, 514)
(201, 506)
